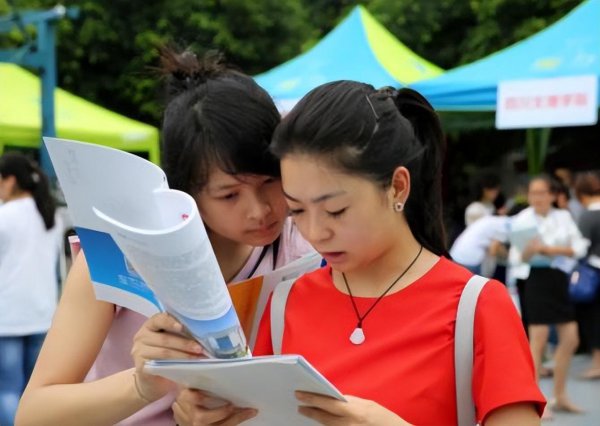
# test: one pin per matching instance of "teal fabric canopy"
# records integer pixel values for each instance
(359, 48)
(569, 47)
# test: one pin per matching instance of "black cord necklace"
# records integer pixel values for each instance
(358, 336)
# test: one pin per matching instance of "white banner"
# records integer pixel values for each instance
(547, 102)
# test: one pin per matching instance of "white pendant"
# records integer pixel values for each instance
(358, 336)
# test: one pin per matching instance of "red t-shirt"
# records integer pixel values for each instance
(407, 360)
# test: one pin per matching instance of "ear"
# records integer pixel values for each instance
(400, 185)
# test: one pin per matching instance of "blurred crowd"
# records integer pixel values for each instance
(536, 244)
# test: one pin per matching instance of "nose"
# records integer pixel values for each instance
(314, 230)
(259, 208)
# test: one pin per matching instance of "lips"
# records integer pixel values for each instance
(333, 256)
(264, 229)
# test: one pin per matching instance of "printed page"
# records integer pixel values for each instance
(245, 296)
(522, 236)
(155, 236)
(265, 383)
(175, 259)
(94, 175)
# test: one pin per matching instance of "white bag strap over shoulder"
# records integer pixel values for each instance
(463, 340)
(463, 350)
(278, 302)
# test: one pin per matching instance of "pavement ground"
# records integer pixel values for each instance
(584, 393)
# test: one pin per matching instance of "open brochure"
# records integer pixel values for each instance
(264, 383)
(520, 237)
(146, 246)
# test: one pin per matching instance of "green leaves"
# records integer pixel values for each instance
(108, 54)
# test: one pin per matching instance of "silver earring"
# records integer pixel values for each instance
(398, 206)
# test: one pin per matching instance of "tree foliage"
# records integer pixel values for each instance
(109, 54)
(451, 33)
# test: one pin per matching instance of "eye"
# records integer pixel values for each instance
(295, 212)
(269, 180)
(228, 197)
(337, 213)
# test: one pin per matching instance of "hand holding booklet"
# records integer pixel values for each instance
(264, 383)
(147, 248)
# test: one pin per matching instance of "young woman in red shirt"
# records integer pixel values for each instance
(361, 171)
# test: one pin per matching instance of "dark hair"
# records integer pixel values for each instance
(587, 183)
(486, 180)
(499, 201)
(517, 208)
(370, 133)
(216, 116)
(29, 177)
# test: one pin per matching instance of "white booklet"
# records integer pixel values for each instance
(264, 383)
(521, 236)
(145, 244)
(147, 248)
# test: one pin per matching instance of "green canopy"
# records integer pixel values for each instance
(76, 118)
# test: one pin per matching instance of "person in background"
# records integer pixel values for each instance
(216, 132)
(562, 195)
(30, 241)
(550, 254)
(565, 176)
(587, 189)
(479, 244)
(486, 191)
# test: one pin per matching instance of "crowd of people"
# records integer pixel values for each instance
(535, 246)
(354, 173)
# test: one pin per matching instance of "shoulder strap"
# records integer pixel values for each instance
(275, 247)
(278, 302)
(463, 350)
(263, 253)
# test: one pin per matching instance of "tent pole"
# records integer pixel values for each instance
(47, 43)
(536, 141)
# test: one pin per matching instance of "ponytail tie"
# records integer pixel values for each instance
(389, 91)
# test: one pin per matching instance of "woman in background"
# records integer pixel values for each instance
(30, 241)
(587, 188)
(550, 253)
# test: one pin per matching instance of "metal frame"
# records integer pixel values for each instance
(40, 54)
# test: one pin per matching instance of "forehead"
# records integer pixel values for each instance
(307, 176)
(217, 178)
(539, 184)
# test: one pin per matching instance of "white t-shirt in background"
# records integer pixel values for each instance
(28, 269)
(470, 248)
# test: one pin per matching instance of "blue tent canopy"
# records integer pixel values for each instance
(359, 48)
(569, 47)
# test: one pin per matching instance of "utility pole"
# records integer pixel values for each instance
(38, 53)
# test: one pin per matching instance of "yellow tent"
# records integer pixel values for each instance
(76, 118)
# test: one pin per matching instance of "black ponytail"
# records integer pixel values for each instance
(30, 178)
(424, 211)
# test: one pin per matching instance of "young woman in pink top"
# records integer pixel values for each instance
(216, 132)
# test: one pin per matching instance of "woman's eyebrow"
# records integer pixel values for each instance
(318, 199)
